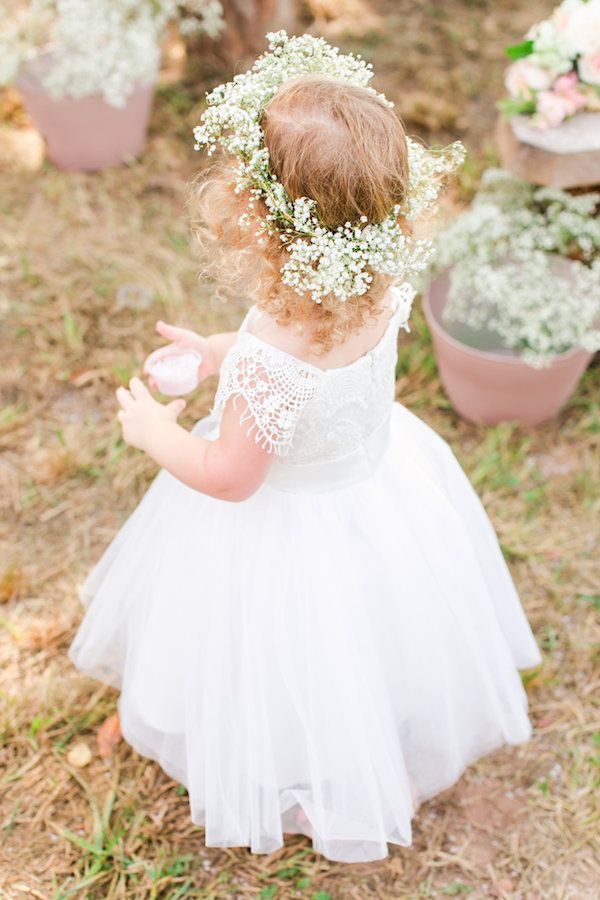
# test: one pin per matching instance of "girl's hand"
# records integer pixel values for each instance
(182, 337)
(141, 415)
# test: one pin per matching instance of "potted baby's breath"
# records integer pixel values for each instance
(87, 70)
(514, 301)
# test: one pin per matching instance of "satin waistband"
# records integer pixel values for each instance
(307, 478)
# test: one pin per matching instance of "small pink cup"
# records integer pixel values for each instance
(177, 372)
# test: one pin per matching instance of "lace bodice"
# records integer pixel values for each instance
(300, 412)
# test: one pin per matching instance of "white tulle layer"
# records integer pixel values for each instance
(313, 662)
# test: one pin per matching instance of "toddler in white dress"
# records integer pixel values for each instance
(308, 615)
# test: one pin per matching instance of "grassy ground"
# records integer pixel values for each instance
(522, 823)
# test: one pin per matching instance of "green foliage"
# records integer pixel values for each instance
(516, 106)
(594, 599)
(457, 887)
(520, 51)
(551, 639)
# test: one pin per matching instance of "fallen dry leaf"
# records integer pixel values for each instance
(109, 735)
(79, 755)
(40, 635)
(21, 148)
(12, 584)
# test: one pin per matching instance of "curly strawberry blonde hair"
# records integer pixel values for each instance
(336, 143)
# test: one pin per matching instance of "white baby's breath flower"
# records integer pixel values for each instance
(322, 261)
(507, 274)
(104, 47)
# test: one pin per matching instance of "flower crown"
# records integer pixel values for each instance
(322, 261)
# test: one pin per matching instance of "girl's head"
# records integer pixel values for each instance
(336, 143)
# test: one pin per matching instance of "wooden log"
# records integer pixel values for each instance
(565, 166)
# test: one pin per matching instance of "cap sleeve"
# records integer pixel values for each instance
(269, 389)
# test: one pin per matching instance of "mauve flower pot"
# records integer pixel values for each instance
(85, 134)
(492, 387)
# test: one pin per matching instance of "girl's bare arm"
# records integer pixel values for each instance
(230, 468)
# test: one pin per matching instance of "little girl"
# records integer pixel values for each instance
(308, 614)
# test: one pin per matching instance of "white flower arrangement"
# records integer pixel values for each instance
(102, 47)
(525, 263)
(556, 71)
(322, 261)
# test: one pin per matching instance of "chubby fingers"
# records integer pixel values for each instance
(170, 332)
(138, 389)
(125, 399)
(176, 407)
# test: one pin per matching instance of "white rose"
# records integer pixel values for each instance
(552, 49)
(562, 14)
(582, 28)
(589, 69)
(523, 77)
(548, 38)
(10, 60)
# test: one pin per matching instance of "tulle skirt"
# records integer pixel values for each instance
(314, 662)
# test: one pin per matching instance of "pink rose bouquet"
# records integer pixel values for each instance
(555, 71)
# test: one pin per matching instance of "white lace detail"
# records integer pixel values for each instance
(302, 413)
(273, 385)
(349, 405)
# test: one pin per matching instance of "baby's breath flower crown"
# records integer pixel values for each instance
(322, 261)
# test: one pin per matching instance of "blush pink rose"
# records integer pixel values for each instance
(566, 86)
(523, 77)
(552, 109)
(566, 82)
(589, 69)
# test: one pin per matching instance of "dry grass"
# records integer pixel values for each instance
(522, 823)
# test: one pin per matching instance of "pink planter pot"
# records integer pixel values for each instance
(85, 134)
(489, 388)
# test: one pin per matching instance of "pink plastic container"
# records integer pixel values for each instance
(177, 373)
(85, 134)
(492, 387)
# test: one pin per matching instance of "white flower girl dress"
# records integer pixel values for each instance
(343, 643)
